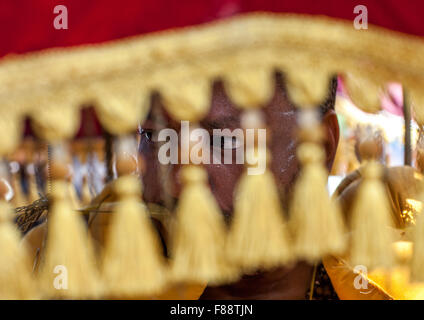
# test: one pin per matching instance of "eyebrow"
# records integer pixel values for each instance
(223, 122)
(150, 125)
(147, 125)
(220, 122)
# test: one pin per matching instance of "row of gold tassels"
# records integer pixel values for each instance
(203, 248)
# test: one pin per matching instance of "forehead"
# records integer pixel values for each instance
(223, 113)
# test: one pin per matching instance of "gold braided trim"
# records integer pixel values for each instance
(117, 77)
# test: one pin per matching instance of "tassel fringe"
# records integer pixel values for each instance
(199, 234)
(16, 280)
(315, 219)
(258, 238)
(69, 269)
(371, 221)
(133, 263)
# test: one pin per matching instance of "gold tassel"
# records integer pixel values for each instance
(315, 219)
(258, 237)
(16, 280)
(417, 263)
(371, 221)
(133, 263)
(199, 235)
(68, 269)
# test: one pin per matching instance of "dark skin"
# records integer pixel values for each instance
(280, 115)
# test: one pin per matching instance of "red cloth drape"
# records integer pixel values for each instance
(27, 25)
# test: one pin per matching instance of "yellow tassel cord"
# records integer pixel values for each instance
(86, 196)
(73, 196)
(315, 219)
(371, 221)
(85, 193)
(199, 234)
(133, 264)
(68, 268)
(417, 263)
(16, 280)
(258, 237)
(33, 192)
(19, 198)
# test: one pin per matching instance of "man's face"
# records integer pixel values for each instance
(280, 116)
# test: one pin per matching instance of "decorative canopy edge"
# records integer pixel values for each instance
(117, 77)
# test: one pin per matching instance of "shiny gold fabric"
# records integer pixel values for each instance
(403, 185)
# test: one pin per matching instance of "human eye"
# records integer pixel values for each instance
(147, 134)
(227, 142)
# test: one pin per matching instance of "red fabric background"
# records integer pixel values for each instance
(27, 25)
